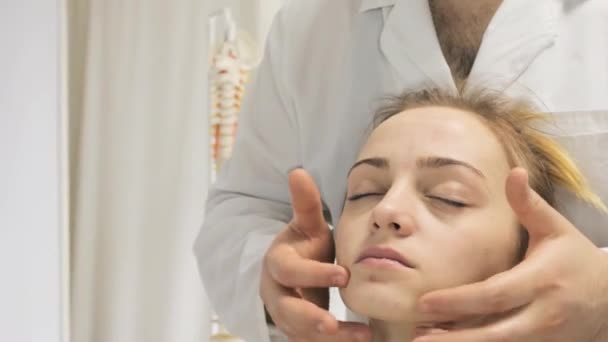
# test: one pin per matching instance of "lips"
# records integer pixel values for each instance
(380, 252)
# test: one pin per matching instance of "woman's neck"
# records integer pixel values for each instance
(404, 331)
(383, 331)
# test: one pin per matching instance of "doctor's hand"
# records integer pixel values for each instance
(559, 292)
(299, 268)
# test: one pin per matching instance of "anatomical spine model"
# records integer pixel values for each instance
(229, 72)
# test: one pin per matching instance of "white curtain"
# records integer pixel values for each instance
(139, 164)
(139, 169)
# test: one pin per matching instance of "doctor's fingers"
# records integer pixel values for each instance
(540, 219)
(304, 273)
(498, 294)
(303, 321)
(291, 270)
(345, 332)
(518, 327)
(294, 316)
(308, 216)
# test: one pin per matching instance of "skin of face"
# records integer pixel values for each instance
(412, 194)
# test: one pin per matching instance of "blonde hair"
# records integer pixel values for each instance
(514, 123)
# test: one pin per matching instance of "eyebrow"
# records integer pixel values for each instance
(426, 162)
(379, 163)
(438, 162)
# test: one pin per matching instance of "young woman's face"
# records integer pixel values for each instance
(425, 209)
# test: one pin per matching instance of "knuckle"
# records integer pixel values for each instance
(551, 279)
(497, 299)
(280, 308)
(281, 326)
(267, 288)
(277, 269)
(283, 273)
(556, 317)
(276, 305)
(285, 328)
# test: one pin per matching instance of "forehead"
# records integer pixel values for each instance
(437, 131)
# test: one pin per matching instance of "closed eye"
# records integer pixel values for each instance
(363, 195)
(449, 202)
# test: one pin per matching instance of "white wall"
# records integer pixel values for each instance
(30, 211)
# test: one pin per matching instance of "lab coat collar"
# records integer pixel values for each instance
(518, 33)
(367, 5)
(409, 40)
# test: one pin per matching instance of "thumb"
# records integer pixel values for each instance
(306, 203)
(534, 213)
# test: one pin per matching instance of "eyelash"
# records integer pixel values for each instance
(365, 194)
(449, 202)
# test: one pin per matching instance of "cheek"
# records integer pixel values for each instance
(349, 236)
(498, 242)
(342, 246)
(474, 253)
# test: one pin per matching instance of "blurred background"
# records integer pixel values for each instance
(109, 140)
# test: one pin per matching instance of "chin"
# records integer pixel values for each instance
(385, 301)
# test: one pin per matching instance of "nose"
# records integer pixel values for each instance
(394, 215)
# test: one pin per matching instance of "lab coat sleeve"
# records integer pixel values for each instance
(249, 203)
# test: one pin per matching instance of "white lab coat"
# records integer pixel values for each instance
(328, 64)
